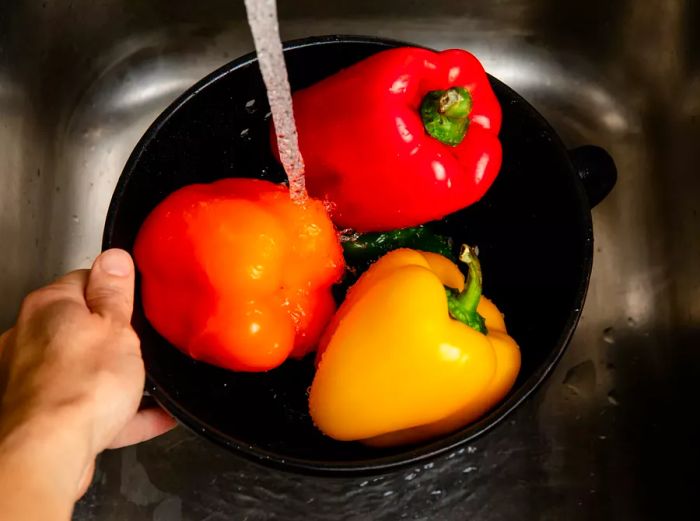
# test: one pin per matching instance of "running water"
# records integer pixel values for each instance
(262, 18)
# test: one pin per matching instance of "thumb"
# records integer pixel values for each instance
(110, 287)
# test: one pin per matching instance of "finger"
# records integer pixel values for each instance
(145, 425)
(69, 287)
(4, 341)
(4, 338)
(86, 479)
(110, 287)
(75, 280)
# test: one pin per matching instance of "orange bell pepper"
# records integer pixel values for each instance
(235, 274)
(411, 353)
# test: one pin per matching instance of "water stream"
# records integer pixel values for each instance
(262, 18)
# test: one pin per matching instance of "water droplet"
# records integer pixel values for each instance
(76, 219)
(602, 437)
(364, 483)
(469, 469)
(250, 106)
(631, 322)
(581, 379)
(388, 493)
(329, 206)
(436, 492)
(612, 398)
(608, 335)
(428, 466)
(245, 134)
(471, 450)
(411, 476)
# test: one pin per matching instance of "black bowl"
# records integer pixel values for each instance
(533, 229)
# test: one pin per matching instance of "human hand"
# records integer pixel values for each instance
(72, 377)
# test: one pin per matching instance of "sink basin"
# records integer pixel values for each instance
(605, 438)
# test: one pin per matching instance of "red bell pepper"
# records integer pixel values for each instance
(404, 137)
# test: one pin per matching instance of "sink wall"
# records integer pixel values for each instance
(80, 82)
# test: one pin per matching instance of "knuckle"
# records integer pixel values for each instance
(107, 297)
(132, 336)
(105, 379)
(129, 338)
(115, 374)
(45, 297)
(33, 301)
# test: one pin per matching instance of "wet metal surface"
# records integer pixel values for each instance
(610, 436)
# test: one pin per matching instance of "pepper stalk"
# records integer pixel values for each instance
(445, 114)
(463, 306)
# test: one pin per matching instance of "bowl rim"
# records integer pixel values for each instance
(414, 454)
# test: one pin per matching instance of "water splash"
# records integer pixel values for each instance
(609, 335)
(262, 18)
(250, 107)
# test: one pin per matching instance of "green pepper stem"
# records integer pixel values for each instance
(463, 306)
(445, 114)
(471, 295)
(368, 247)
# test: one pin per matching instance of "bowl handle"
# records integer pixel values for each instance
(597, 171)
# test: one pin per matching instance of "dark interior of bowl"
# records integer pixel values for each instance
(533, 231)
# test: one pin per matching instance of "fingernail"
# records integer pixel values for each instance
(115, 262)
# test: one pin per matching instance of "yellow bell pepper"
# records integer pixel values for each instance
(411, 353)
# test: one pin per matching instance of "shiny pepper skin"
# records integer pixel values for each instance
(394, 367)
(235, 274)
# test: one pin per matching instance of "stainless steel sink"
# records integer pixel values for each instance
(611, 436)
